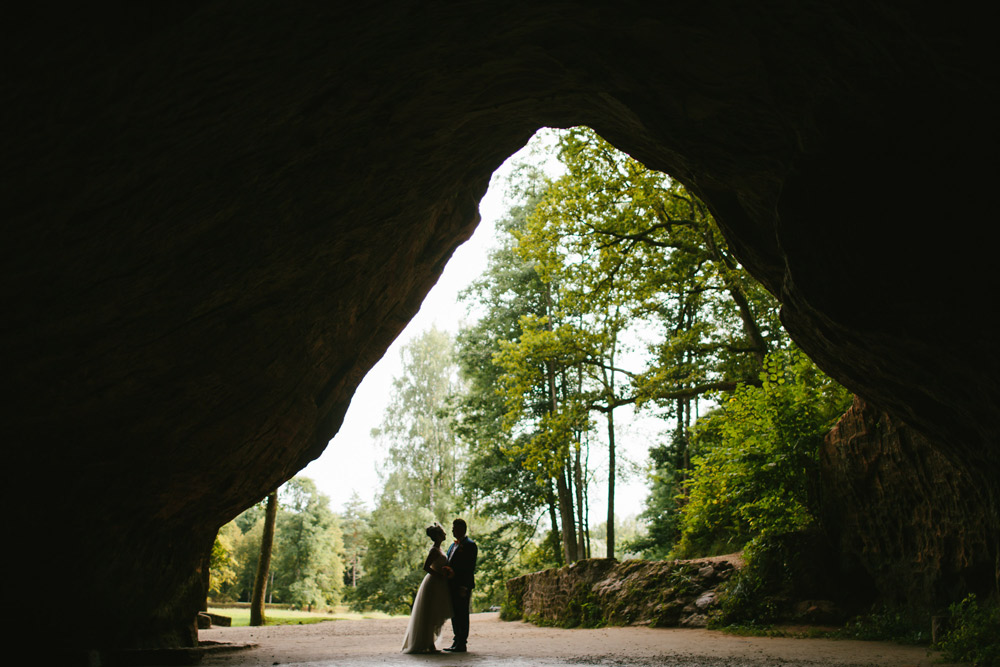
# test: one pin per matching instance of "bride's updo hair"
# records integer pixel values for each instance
(434, 531)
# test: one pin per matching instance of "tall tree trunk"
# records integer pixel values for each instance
(264, 564)
(554, 521)
(611, 481)
(585, 519)
(680, 438)
(564, 477)
(609, 383)
(581, 481)
(567, 515)
(580, 504)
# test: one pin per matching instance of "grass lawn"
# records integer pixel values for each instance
(289, 617)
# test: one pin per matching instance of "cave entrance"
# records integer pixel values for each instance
(621, 255)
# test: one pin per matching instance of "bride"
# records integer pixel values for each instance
(432, 606)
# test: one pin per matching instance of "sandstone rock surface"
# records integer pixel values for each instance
(217, 218)
(907, 518)
(602, 591)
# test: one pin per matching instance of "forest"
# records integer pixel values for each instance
(610, 294)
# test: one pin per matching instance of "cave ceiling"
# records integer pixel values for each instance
(218, 216)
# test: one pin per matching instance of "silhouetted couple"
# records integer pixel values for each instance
(444, 593)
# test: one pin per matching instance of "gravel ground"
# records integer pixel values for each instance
(517, 644)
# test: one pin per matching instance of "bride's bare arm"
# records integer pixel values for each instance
(428, 563)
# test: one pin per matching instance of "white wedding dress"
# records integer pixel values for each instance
(431, 608)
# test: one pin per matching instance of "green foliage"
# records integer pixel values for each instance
(249, 518)
(541, 554)
(423, 452)
(525, 413)
(497, 480)
(589, 260)
(757, 469)
(973, 633)
(223, 567)
(628, 250)
(354, 529)
(511, 609)
(628, 531)
(307, 560)
(246, 551)
(889, 623)
(502, 553)
(661, 511)
(396, 548)
(753, 485)
(306, 564)
(756, 594)
(584, 609)
(528, 363)
(420, 475)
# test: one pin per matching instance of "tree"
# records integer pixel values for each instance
(544, 401)
(588, 318)
(499, 479)
(223, 565)
(423, 463)
(630, 530)
(424, 456)
(590, 261)
(304, 564)
(661, 512)
(619, 247)
(757, 470)
(308, 570)
(247, 555)
(395, 551)
(264, 563)
(354, 527)
(242, 540)
(627, 244)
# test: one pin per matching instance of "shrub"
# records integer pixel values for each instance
(512, 607)
(754, 596)
(780, 568)
(973, 634)
(759, 458)
(889, 623)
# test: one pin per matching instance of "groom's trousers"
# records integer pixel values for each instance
(460, 615)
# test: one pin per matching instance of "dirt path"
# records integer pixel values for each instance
(516, 644)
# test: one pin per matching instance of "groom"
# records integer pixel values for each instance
(462, 560)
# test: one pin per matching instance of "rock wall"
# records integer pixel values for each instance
(907, 525)
(217, 217)
(635, 592)
(905, 517)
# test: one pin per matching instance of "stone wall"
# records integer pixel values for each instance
(636, 592)
(904, 516)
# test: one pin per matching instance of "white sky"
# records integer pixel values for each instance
(349, 462)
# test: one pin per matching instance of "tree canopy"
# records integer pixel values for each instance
(307, 561)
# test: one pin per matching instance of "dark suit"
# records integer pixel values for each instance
(462, 559)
